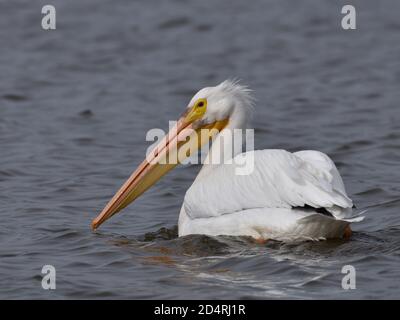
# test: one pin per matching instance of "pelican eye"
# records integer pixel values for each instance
(197, 111)
(200, 103)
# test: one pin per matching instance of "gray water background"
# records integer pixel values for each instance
(76, 103)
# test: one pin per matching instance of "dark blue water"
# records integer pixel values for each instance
(76, 103)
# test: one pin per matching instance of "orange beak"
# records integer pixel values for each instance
(177, 145)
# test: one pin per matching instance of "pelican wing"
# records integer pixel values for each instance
(279, 179)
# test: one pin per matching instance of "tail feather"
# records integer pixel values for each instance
(319, 226)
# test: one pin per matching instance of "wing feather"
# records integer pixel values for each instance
(280, 179)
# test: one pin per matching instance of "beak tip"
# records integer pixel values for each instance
(94, 225)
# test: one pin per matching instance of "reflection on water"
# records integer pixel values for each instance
(76, 103)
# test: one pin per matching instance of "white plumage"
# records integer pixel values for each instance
(276, 200)
(267, 203)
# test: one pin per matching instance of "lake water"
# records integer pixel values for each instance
(76, 103)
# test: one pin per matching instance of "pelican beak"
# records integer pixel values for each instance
(186, 137)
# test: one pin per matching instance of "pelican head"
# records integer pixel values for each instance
(228, 104)
(228, 100)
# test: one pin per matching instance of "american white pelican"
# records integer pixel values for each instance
(287, 196)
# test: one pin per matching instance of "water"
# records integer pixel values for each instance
(75, 104)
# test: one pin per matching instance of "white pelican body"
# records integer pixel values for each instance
(275, 201)
(287, 196)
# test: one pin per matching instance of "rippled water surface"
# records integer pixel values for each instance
(75, 104)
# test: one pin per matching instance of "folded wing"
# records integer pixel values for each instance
(280, 179)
